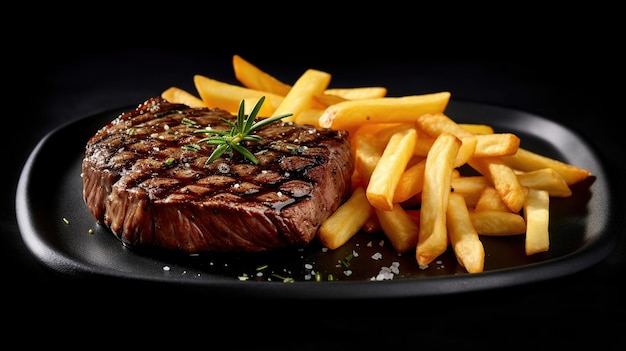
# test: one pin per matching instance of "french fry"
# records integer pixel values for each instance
(470, 187)
(266, 108)
(368, 151)
(250, 76)
(324, 100)
(546, 179)
(503, 179)
(525, 160)
(399, 227)
(373, 129)
(310, 116)
(389, 168)
(424, 143)
(498, 223)
(496, 144)
(351, 114)
(477, 128)
(359, 93)
(464, 239)
(433, 238)
(227, 96)
(372, 225)
(490, 200)
(346, 221)
(537, 216)
(436, 123)
(466, 151)
(411, 182)
(179, 96)
(301, 95)
(414, 214)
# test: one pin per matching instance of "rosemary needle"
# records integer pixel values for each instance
(228, 141)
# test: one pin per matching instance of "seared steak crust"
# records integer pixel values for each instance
(141, 181)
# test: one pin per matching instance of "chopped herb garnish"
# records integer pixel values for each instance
(346, 261)
(191, 147)
(188, 122)
(284, 279)
(228, 141)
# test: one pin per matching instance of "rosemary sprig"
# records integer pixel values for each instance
(228, 141)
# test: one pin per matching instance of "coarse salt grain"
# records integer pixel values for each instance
(387, 273)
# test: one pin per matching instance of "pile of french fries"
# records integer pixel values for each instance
(408, 153)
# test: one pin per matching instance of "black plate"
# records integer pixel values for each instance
(60, 232)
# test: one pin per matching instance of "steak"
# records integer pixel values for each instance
(143, 181)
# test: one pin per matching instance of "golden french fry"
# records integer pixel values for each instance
(357, 180)
(179, 96)
(433, 238)
(477, 128)
(351, 114)
(414, 214)
(496, 144)
(436, 123)
(399, 227)
(250, 76)
(375, 128)
(470, 187)
(498, 223)
(324, 100)
(266, 109)
(389, 168)
(358, 93)
(503, 178)
(368, 151)
(466, 151)
(217, 94)
(490, 200)
(525, 160)
(537, 216)
(372, 225)
(546, 179)
(385, 134)
(424, 143)
(310, 116)
(464, 239)
(346, 221)
(301, 95)
(411, 182)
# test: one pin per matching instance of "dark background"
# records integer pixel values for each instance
(75, 66)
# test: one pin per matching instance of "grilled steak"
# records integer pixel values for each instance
(141, 181)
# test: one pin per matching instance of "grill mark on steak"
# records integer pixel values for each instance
(141, 182)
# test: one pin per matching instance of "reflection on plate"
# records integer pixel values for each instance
(60, 232)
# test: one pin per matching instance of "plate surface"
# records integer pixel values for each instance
(58, 229)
